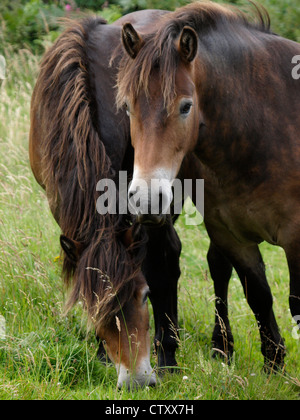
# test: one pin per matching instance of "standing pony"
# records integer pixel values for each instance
(211, 82)
(77, 138)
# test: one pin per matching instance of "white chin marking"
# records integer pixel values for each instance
(152, 192)
(142, 376)
(158, 173)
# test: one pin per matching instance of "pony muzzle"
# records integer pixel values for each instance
(150, 200)
(142, 376)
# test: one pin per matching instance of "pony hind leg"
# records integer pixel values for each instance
(220, 270)
(259, 297)
(292, 255)
(248, 263)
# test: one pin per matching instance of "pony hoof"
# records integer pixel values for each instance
(274, 358)
(271, 367)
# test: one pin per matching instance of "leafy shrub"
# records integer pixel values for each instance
(285, 17)
(29, 23)
(90, 4)
(35, 23)
(111, 13)
(131, 5)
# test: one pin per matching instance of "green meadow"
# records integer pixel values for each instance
(47, 355)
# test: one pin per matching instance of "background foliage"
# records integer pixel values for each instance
(35, 23)
(45, 355)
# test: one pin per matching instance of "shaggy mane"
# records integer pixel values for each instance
(74, 160)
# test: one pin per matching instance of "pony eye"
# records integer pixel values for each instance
(185, 108)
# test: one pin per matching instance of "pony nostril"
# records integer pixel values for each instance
(160, 202)
(131, 193)
(152, 382)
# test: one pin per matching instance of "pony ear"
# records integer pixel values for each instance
(71, 248)
(188, 44)
(131, 40)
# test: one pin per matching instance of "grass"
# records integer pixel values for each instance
(45, 355)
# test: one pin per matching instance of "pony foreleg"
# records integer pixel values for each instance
(259, 297)
(161, 269)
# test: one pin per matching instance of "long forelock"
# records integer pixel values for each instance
(134, 75)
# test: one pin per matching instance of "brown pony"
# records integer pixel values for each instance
(77, 138)
(211, 84)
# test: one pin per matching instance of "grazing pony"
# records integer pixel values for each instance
(211, 83)
(77, 137)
